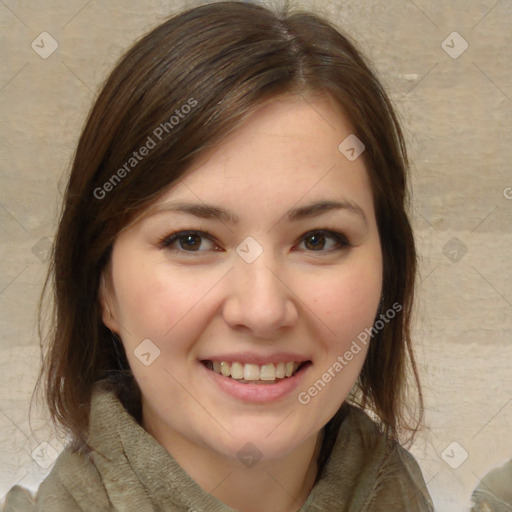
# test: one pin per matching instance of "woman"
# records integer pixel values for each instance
(233, 278)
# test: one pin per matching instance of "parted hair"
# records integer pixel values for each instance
(223, 60)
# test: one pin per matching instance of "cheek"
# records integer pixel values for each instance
(157, 302)
(347, 300)
(148, 300)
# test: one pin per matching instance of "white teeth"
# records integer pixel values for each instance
(281, 370)
(268, 372)
(237, 371)
(225, 369)
(253, 372)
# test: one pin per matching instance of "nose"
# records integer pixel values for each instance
(259, 299)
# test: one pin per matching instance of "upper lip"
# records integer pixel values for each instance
(259, 359)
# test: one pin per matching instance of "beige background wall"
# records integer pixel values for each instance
(457, 111)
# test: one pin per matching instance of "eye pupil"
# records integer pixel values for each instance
(187, 241)
(318, 241)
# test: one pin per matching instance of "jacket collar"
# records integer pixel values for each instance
(132, 463)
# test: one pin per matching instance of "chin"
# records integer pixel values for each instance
(269, 440)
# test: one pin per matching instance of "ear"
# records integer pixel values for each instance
(105, 297)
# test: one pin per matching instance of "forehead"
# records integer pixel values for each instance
(286, 153)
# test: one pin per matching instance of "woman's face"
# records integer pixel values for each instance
(244, 270)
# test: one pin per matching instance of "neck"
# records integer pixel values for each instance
(276, 485)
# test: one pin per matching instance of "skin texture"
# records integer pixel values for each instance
(200, 299)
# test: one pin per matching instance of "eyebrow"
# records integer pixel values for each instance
(207, 211)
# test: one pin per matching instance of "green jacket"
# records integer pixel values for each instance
(129, 471)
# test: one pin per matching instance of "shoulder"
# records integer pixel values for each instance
(494, 490)
(389, 476)
(73, 477)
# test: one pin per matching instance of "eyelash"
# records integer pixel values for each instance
(340, 239)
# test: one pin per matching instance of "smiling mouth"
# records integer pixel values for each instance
(256, 374)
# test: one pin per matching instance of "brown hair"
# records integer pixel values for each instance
(222, 60)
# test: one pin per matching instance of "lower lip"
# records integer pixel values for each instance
(256, 393)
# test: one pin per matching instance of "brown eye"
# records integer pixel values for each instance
(324, 241)
(315, 242)
(192, 242)
(188, 241)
